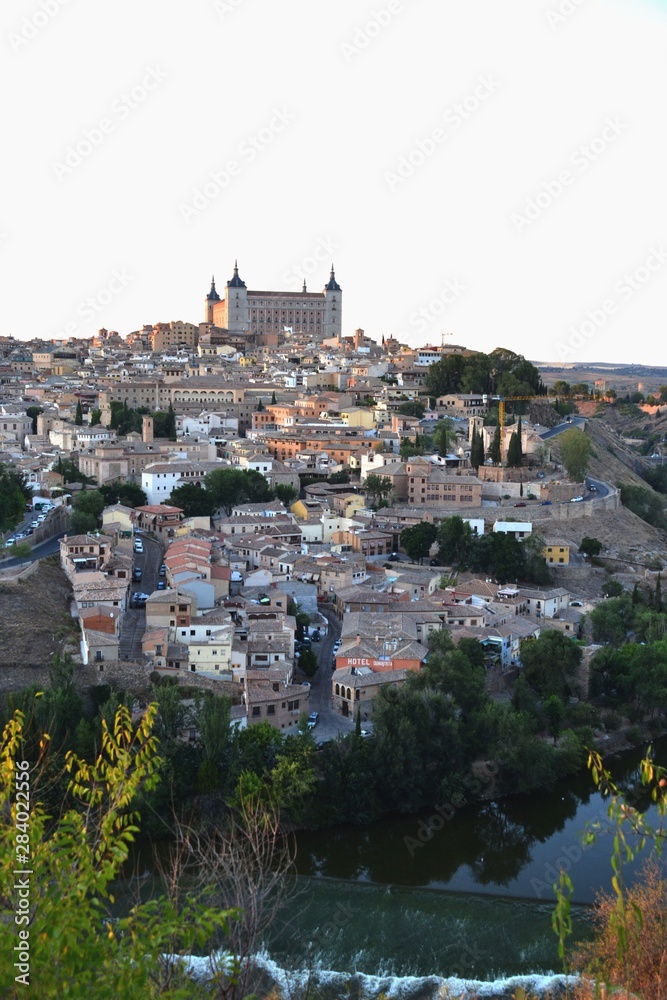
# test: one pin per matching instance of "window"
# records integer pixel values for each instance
(256, 711)
(270, 709)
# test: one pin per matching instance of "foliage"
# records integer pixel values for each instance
(377, 488)
(514, 453)
(590, 546)
(418, 539)
(575, 450)
(194, 501)
(78, 418)
(14, 493)
(550, 663)
(339, 477)
(629, 946)
(76, 948)
(308, 662)
(286, 493)
(127, 494)
(500, 373)
(21, 551)
(231, 486)
(495, 449)
(645, 503)
(95, 417)
(33, 412)
(611, 620)
(411, 409)
(476, 449)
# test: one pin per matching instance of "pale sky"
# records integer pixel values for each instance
(494, 171)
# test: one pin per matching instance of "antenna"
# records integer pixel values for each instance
(443, 335)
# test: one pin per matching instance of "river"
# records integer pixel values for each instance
(413, 901)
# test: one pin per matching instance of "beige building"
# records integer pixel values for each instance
(317, 315)
(268, 698)
(433, 485)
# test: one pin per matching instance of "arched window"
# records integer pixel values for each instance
(337, 688)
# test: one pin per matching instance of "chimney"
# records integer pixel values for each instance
(147, 430)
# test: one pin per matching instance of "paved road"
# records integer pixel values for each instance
(565, 426)
(40, 551)
(134, 620)
(330, 724)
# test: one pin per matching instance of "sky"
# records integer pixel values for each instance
(479, 173)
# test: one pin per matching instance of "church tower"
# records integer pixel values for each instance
(210, 302)
(236, 302)
(333, 307)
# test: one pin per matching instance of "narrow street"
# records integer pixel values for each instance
(330, 723)
(134, 620)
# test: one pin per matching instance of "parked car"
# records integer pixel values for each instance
(576, 499)
(313, 719)
(138, 545)
(137, 574)
(35, 523)
(161, 585)
(522, 504)
(546, 503)
(163, 570)
(139, 599)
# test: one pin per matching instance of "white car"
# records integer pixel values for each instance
(138, 545)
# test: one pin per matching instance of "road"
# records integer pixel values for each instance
(565, 426)
(330, 723)
(134, 619)
(47, 548)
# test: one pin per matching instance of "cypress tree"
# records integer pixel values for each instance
(78, 419)
(495, 451)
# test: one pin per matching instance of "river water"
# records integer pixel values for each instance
(408, 905)
(468, 896)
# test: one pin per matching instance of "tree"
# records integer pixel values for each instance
(21, 551)
(78, 419)
(339, 477)
(128, 494)
(441, 437)
(514, 457)
(33, 412)
(308, 662)
(411, 409)
(89, 502)
(554, 711)
(377, 488)
(612, 588)
(550, 663)
(611, 620)
(455, 541)
(476, 449)
(417, 540)
(575, 450)
(14, 493)
(273, 398)
(95, 417)
(495, 451)
(260, 406)
(590, 546)
(76, 944)
(194, 501)
(286, 493)
(230, 486)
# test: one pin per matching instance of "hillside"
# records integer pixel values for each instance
(35, 621)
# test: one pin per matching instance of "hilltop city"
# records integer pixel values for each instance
(262, 504)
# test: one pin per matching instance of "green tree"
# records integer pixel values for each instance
(514, 456)
(95, 417)
(575, 450)
(554, 711)
(77, 946)
(89, 502)
(495, 450)
(14, 493)
(590, 546)
(21, 551)
(476, 449)
(339, 477)
(550, 663)
(455, 539)
(260, 406)
(194, 501)
(612, 588)
(128, 494)
(442, 437)
(611, 620)
(377, 488)
(286, 493)
(273, 398)
(231, 486)
(78, 419)
(418, 539)
(33, 412)
(308, 662)
(411, 409)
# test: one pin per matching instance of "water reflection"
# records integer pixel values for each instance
(511, 847)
